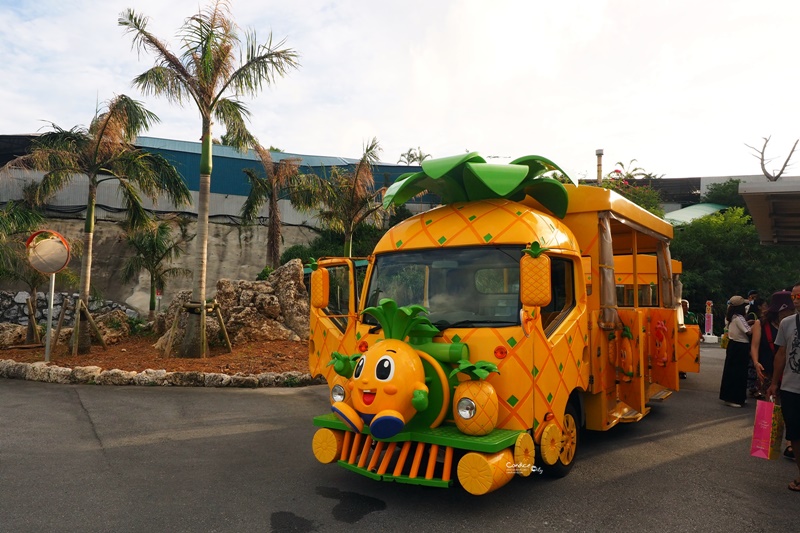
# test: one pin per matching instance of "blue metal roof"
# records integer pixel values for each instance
(229, 163)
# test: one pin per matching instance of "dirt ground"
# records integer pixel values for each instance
(137, 354)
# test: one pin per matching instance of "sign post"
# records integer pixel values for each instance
(48, 252)
(708, 334)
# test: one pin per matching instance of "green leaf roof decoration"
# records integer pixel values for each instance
(312, 264)
(468, 177)
(401, 322)
(535, 250)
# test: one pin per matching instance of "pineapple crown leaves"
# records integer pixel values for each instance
(626, 333)
(475, 371)
(401, 322)
(535, 250)
(344, 365)
(468, 177)
(312, 264)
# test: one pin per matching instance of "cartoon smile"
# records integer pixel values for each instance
(368, 396)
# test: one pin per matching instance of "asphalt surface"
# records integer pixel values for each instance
(90, 458)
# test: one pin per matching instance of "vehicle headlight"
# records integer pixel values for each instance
(337, 393)
(466, 408)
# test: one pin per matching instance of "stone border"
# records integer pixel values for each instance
(94, 375)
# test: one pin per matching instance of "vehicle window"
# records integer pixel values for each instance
(562, 285)
(460, 287)
(339, 296)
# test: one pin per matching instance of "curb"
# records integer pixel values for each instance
(94, 375)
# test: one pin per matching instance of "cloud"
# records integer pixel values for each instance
(679, 86)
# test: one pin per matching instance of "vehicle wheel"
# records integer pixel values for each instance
(569, 445)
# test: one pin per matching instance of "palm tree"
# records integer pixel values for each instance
(155, 249)
(408, 157)
(208, 69)
(413, 156)
(103, 152)
(279, 182)
(344, 199)
(15, 219)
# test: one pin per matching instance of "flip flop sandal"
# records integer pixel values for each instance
(795, 485)
(788, 453)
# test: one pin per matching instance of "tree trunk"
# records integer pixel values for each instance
(195, 328)
(152, 313)
(274, 229)
(30, 334)
(84, 333)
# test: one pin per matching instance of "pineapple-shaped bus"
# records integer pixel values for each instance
(481, 337)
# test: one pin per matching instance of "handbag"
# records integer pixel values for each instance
(723, 341)
(767, 431)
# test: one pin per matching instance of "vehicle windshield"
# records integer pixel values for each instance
(460, 287)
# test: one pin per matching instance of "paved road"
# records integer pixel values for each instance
(89, 458)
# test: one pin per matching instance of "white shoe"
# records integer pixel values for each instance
(731, 404)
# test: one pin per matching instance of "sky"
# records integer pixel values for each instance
(680, 86)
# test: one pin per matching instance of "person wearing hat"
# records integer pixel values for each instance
(765, 330)
(786, 376)
(733, 389)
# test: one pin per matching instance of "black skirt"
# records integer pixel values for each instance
(734, 376)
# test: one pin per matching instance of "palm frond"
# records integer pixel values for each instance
(260, 190)
(232, 114)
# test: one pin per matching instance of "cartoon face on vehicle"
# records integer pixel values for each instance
(385, 379)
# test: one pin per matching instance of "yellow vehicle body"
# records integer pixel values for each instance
(562, 366)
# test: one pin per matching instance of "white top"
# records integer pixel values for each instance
(787, 336)
(738, 329)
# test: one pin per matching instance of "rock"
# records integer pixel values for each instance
(293, 379)
(272, 309)
(150, 377)
(37, 371)
(115, 377)
(59, 374)
(17, 370)
(293, 296)
(186, 379)
(22, 297)
(11, 334)
(214, 379)
(250, 325)
(114, 326)
(4, 363)
(85, 374)
(267, 379)
(240, 380)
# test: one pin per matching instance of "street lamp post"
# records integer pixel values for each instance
(599, 154)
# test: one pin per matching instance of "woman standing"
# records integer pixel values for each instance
(762, 348)
(733, 389)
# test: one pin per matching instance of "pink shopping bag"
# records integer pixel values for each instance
(767, 431)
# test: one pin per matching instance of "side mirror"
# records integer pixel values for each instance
(320, 288)
(534, 280)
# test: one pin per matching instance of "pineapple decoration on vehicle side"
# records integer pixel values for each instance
(535, 284)
(475, 404)
(387, 382)
(319, 284)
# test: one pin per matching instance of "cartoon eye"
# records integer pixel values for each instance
(359, 368)
(384, 370)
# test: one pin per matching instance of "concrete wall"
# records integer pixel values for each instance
(233, 253)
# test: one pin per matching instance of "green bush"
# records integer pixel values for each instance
(264, 274)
